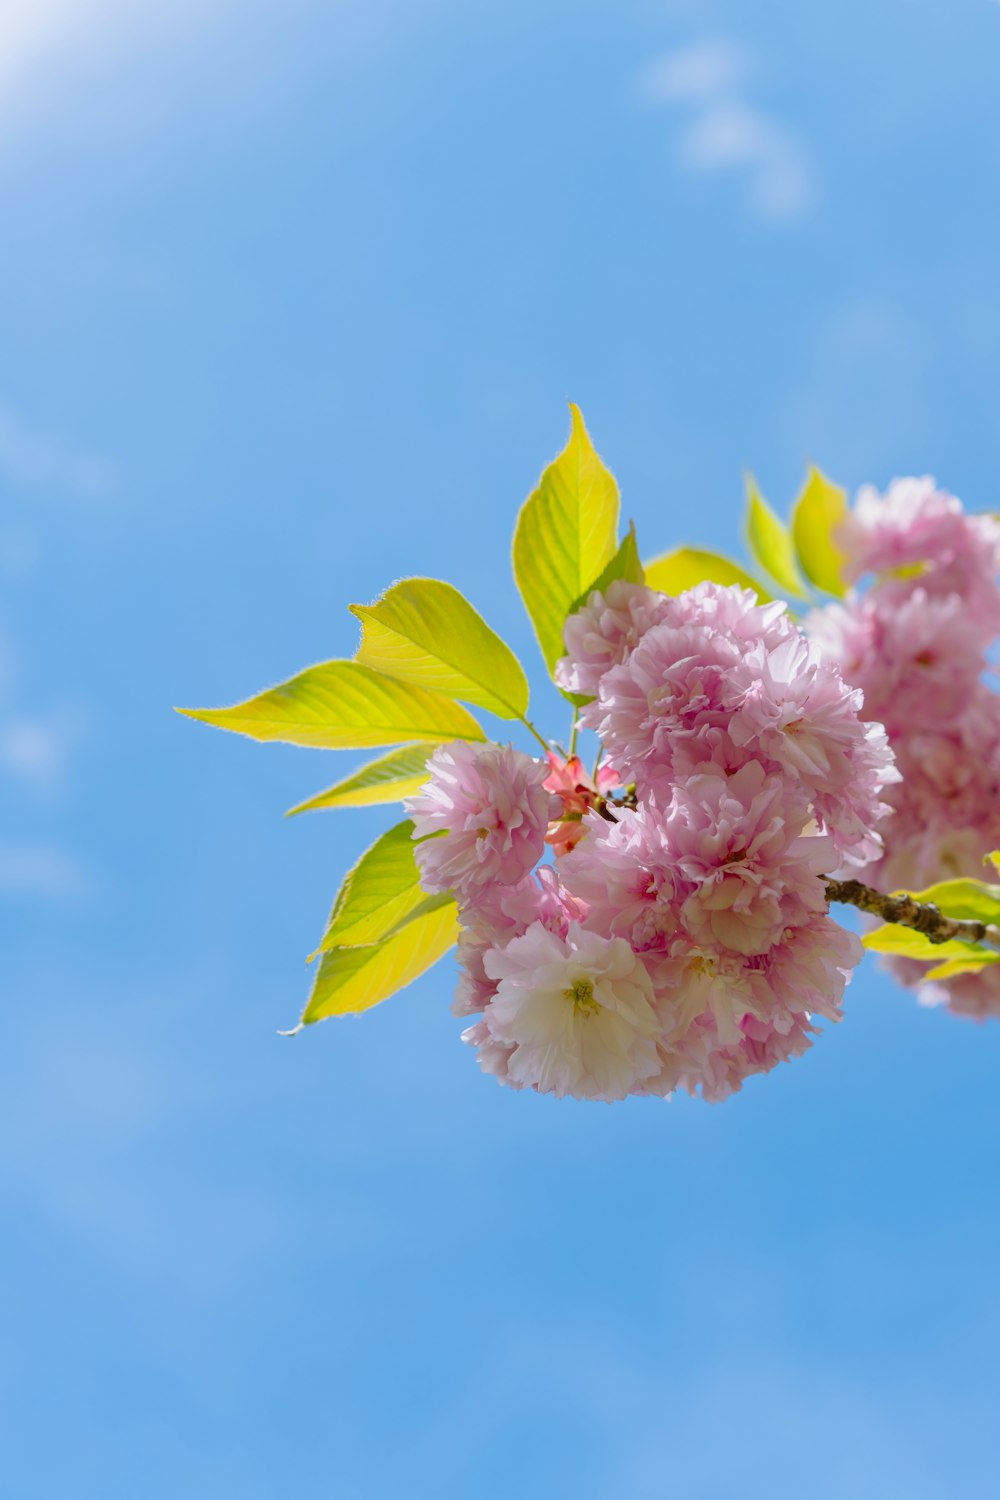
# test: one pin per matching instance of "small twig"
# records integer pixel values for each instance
(922, 916)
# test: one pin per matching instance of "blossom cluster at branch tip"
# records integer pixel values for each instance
(914, 636)
(681, 939)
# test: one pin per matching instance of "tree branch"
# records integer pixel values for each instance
(922, 916)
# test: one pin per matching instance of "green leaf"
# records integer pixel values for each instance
(676, 571)
(626, 564)
(994, 860)
(972, 900)
(378, 894)
(388, 779)
(425, 632)
(819, 510)
(566, 535)
(907, 943)
(771, 543)
(354, 979)
(956, 966)
(342, 705)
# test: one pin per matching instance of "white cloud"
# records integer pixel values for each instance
(733, 135)
(39, 870)
(34, 751)
(34, 460)
(702, 70)
(725, 132)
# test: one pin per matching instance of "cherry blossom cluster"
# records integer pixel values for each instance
(914, 635)
(678, 935)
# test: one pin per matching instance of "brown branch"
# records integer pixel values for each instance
(922, 916)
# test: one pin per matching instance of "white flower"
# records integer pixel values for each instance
(578, 1012)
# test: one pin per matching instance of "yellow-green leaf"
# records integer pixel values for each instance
(676, 571)
(994, 860)
(425, 632)
(566, 535)
(388, 779)
(819, 510)
(378, 894)
(907, 943)
(626, 564)
(956, 966)
(354, 979)
(770, 543)
(341, 705)
(967, 899)
(904, 572)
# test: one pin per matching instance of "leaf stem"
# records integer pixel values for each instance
(922, 916)
(573, 733)
(531, 728)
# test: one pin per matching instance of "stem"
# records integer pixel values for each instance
(922, 916)
(572, 733)
(529, 726)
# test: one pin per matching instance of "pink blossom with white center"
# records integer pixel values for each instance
(502, 912)
(577, 1012)
(738, 842)
(488, 811)
(604, 631)
(624, 873)
(798, 712)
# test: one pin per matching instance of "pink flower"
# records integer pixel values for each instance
(798, 712)
(624, 874)
(915, 658)
(672, 688)
(742, 685)
(481, 818)
(916, 533)
(808, 972)
(946, 810)
(740, 1015)
(975, 996)
(734, 611)
(915, 644)
(604, 631)
(738, 843)
(576, 1011)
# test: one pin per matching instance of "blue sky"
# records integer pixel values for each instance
(293, 299)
